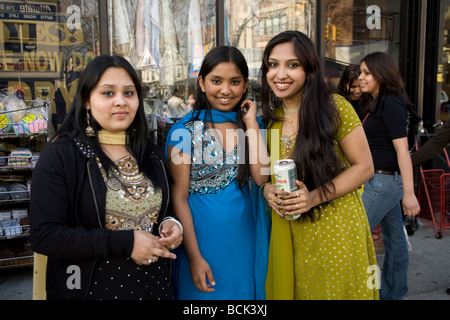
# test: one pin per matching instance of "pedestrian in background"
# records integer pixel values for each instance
(387, 132)
(431, 148)
(348, 87)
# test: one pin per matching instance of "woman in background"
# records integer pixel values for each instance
(348, 87)
(386, 128)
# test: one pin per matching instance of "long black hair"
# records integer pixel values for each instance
(314, 153)
(214, 57)
(75, 123)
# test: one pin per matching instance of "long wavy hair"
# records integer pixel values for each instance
(314, 154)
(75, 123)
(214, 57)
(383, 68)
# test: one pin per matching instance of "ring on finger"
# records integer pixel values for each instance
(296, 192)
(297, 205)
(151, 259)
(172, 247)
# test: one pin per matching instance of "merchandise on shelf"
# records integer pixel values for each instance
(19, 213)
(10, 228)
(23, 133)
(16, 117)
(20, 157)
(14, 191)
(5, 215)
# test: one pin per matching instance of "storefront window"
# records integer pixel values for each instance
(251, 24)
(355, 28)
(44, 45)
(165, 40)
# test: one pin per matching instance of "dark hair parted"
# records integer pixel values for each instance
(75, 123)
(318, 122)
(217, 55)
(383, 68)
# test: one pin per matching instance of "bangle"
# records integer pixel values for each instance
(170, 219)
(261, 190)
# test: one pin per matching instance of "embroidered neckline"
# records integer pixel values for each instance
(213, 168)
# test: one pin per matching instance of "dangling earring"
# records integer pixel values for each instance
(274, 99)
(89, 130)
(306, 83)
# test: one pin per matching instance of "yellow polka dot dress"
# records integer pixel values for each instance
(334, 257)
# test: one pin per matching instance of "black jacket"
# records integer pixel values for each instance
(67, 213)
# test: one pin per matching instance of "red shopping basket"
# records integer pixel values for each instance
(429, 197)
(444, 218)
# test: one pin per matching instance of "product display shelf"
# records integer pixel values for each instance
(21, 139)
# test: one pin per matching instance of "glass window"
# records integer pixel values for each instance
(43, 47)
(165, 40)
(355, 28)
(251, 24)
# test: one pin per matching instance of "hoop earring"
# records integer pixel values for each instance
(89, 130)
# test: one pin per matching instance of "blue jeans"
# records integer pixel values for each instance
(381, 198)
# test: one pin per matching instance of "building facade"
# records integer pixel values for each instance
(44, 45)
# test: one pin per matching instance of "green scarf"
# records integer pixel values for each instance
(280, 273)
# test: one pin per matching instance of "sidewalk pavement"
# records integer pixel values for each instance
(429, 264)
(428, 274)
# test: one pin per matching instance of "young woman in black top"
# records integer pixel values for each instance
(386, 128)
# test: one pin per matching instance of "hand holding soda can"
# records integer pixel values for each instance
(285, 172)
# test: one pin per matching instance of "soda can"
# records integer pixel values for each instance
(285, 173)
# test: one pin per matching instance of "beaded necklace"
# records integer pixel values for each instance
(289, 112)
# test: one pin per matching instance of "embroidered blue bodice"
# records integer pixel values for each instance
(212, 167)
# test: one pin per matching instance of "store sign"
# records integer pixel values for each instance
(32, 37)
(39, 44)
(28, 11)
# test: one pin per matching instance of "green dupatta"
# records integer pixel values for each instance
(280, 273)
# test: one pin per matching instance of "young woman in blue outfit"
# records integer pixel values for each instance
(387, 132)
(213, 155)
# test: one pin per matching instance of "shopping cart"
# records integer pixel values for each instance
(429, 197)
(444, 223)
(433, 194)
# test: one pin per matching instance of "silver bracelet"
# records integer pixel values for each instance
(170, 219)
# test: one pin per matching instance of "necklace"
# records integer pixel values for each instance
(290, 121)
(289, 112)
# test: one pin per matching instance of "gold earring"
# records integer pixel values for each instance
(89, 130)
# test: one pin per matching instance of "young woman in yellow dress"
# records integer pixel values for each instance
(328, 252)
